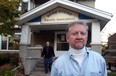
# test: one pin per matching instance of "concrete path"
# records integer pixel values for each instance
(39, 70)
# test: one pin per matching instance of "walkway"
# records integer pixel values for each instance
(39, 70)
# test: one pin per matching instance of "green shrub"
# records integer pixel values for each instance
(7, 58)
(8, 73)
(4, 58)
(6, 70)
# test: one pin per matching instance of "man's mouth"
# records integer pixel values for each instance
(78, 40)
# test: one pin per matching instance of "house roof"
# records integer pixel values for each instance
(103, 16)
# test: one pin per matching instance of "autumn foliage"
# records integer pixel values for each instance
(9, 14)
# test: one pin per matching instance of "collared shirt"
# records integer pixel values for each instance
(93, 65)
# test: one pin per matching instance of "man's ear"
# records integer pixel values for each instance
(67, 38)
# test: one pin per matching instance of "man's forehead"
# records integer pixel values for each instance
(77, 26)
(47, 42)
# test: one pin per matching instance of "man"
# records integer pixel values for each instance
(79, 60)
(47, 53)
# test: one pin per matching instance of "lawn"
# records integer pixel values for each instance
(112, 74)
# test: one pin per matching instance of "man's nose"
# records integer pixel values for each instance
(79, 35)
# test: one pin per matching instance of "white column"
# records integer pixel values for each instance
(31, 5)
(96, 39)
(7, 43)
(25, 35)
(25, 41)
(0, 42)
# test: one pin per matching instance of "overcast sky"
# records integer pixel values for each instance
(108, 6)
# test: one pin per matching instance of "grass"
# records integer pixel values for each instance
(112, 74)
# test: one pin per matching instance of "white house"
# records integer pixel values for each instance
(46, 21)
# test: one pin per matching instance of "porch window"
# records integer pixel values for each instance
(62, 45)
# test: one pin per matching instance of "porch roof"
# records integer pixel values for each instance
(102, 16)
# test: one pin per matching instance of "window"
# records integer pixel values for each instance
(61, 43)
(9, 42)
(24, 7)
(4, 42)
(39, 2)
(14, 42)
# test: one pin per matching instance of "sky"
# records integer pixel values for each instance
(110, 28)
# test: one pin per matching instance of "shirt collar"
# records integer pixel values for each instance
(77, 52)
(70, 54)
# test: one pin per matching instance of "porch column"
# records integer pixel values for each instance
(96, 39)
(0, 42)
(31, 5)
(25, 40)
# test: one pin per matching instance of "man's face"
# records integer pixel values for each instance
(47, 43)
(77, 36)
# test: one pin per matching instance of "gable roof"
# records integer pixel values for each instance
(103, 16)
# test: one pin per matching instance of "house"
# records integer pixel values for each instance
(110, 54)
(46, 21)
(10, 43)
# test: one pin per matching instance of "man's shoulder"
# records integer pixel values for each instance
(62, 58)
(96, 55)
(92, 52)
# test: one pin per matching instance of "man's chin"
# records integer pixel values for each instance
(79, 47)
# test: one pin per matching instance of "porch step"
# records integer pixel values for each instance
(39, 70)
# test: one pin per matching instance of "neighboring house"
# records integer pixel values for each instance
(11, 43)
(110, 54)
(46, 21)
(112, 41)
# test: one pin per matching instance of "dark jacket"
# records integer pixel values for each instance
(48, 52)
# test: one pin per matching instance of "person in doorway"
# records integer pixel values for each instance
(79, 60)
(48, 54)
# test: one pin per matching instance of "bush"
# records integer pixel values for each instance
(14, 59)
(4, 58)
(7, 58)
(6, 70)
(8, 63)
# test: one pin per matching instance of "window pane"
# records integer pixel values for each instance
(14, 42)
(4, 42)
(61, 38)
(62, 45)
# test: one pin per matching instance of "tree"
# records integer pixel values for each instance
(9, 14)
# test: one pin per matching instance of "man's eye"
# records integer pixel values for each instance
(75, 33)
(83, 33)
